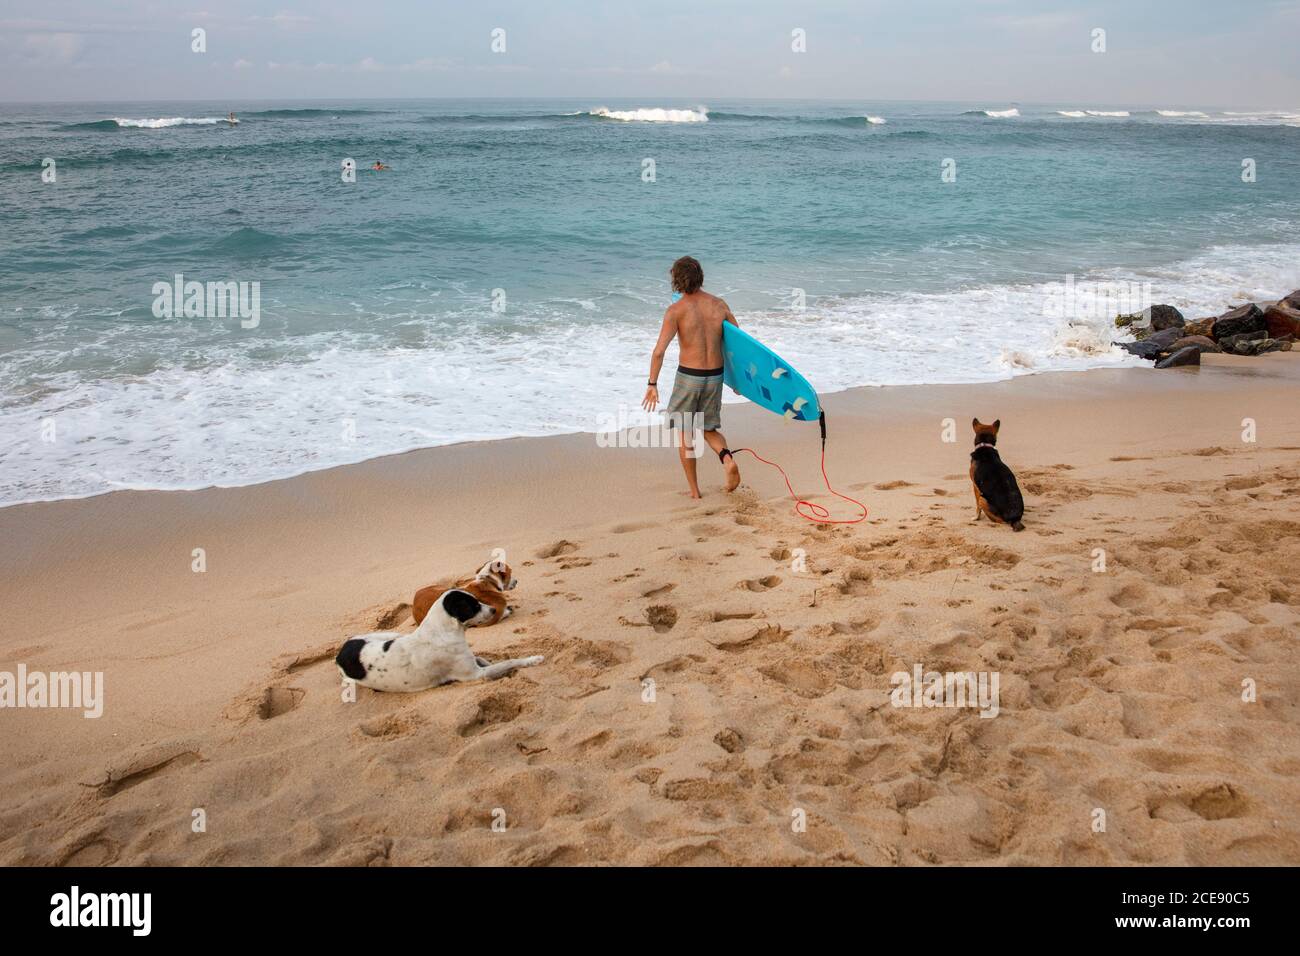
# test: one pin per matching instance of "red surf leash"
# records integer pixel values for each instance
(815, 511)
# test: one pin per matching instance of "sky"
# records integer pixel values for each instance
(1200, 53)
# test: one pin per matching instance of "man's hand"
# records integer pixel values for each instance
(651, 398)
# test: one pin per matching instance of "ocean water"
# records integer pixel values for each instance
(377, 330)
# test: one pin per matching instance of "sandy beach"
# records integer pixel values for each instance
(704, 691)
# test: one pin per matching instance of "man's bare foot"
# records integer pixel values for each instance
(692, 494)
(733, 473)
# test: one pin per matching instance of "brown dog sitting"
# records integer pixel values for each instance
(996, 492)
(488, 584)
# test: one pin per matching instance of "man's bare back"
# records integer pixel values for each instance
(699, 318)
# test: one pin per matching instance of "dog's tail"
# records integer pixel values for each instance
(1018, 526)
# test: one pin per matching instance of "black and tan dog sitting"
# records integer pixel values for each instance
(996, 492)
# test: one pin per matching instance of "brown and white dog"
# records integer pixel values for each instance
(996, 492)
(488, 585)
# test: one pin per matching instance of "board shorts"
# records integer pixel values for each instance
(697, 399)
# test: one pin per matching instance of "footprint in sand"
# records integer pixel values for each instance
(771, 634)
(393, 617)
(891, 485)
(145, 766)
(97, 850)
(761, 584)
(662, 617)
(491, 710)
(277, 701)
(557, 549)
(655, 592)
(390, 726)
(856, 582)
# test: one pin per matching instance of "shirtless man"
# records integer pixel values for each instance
(695, 320)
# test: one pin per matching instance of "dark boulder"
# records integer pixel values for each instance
(1143, 350)
(1293, 300)
(1195, 341)
(1270, 345)
(1240, 343)
(1165, 337)
(1157, 318)
(1190, 355)
(1199, 327)
(1281, 320)
(1244, 318)
(1150, 347)
(1165, 317)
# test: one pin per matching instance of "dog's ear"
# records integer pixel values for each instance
(975, 424)
(996, 425)
(461, 605)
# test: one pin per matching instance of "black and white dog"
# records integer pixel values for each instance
(434, 653)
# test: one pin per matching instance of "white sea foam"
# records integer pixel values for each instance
(654, 115)
(1174, 113)
(1264, 118)
(165, 122)
(1114, 113)
(875, 120)
(240, 418)
(1075, 114)
(1001, 114)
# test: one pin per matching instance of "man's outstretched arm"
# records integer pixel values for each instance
(666, 334)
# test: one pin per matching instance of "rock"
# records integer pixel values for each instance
(1165, 317)
(1197, 342)
(1150, 347)
(1282, 320)
(1258, 345)
(1191, 355)
(1165, 337)
(1244, 318)
(1293, 300)
(1229, 343)
(1155, 319)
(1199, 327)
(1143, 350)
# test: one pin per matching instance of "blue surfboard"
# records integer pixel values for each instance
(751, 369)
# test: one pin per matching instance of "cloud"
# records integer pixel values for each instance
(242, 64)
(285, 19)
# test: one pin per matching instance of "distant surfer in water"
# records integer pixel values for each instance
(695, 320)
(378, 167)
(231, 118)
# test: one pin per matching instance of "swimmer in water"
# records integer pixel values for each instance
(378, 167)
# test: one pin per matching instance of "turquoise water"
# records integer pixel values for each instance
(377, 331)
